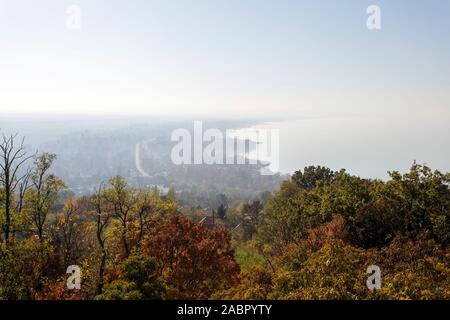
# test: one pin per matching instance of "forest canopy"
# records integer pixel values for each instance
(314, 238)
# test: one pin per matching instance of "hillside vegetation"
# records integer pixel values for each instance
(314, 238)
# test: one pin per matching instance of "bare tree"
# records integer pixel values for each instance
(12, 158)
(22, 189)
(102, 220)
(70, 225)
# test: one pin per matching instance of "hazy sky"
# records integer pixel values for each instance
(226, 58)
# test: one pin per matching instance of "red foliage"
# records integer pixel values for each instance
(58, 291)
(194, 261)
(333, 230)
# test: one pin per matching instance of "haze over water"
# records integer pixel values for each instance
(368, 147)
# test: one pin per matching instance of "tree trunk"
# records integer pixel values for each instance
(7, 212)
(101, 273)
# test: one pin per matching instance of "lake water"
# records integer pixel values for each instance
(365, 146)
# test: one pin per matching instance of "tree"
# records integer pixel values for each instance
(336, 271)
(70, 231)
(149, 208)
(286, 217)
(312, 175)
(102, 219)
(11, 161)
(327, 232)
(255, 284)
(251, 215)
(222, 199)
(376, 223)
(194, 261)
(221, 211)
(171, 194)
(423, 198)
(122, 200)
(24, 267)
(43, 194)
(417, 269)
(58, 291)
(138, 281)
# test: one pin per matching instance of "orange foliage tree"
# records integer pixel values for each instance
(194, 261)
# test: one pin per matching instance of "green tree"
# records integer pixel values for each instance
(138, 281)
(423, 198)
(121, 198)
(312, 175)
(24, 268)
(43, 193)
(376, 223)
(221, 211)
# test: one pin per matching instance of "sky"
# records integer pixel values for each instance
(234, 58)
(367, 100)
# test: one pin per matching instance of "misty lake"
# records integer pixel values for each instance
(365, 146)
